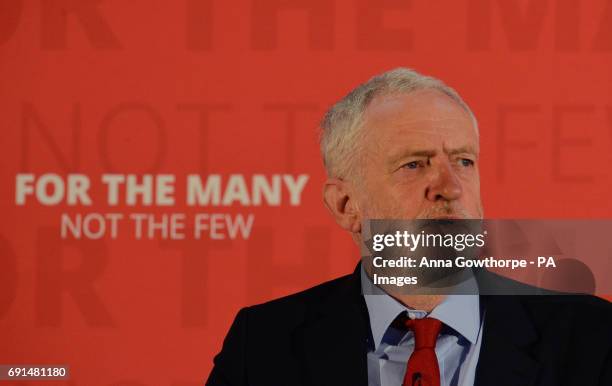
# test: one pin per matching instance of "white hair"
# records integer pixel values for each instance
(340, 128)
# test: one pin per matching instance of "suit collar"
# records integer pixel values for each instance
(336, 334)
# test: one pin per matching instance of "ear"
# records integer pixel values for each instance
(340, 200)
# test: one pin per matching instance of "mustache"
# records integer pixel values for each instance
(446, 210)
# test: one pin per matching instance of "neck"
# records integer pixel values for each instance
(420, 302)
(417, 302)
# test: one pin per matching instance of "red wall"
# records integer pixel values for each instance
(210, 86)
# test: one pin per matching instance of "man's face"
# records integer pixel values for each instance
(419, 159)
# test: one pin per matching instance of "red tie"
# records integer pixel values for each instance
(422, 368)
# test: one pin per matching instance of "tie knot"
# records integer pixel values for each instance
(425, 331)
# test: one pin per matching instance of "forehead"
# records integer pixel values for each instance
(424, 117)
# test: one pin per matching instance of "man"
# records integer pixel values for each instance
(406, 146)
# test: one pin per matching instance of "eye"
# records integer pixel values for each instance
(466, 162)
(413, 165)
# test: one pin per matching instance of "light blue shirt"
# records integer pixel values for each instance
(457, 348)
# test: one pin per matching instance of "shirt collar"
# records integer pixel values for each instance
(460, 312)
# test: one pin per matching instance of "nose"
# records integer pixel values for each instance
(444, 184)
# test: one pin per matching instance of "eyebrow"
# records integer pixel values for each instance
(431, 153)
(461, 150)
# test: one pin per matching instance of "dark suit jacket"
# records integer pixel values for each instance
(320, 337)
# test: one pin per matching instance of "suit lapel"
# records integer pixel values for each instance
(333, 341)
(334, 338)
(508, 335)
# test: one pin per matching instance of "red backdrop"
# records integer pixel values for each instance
(210, 86)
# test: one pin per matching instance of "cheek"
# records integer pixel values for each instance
(376, 203)
(396, 203)
(392, 196)
(409, 193)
